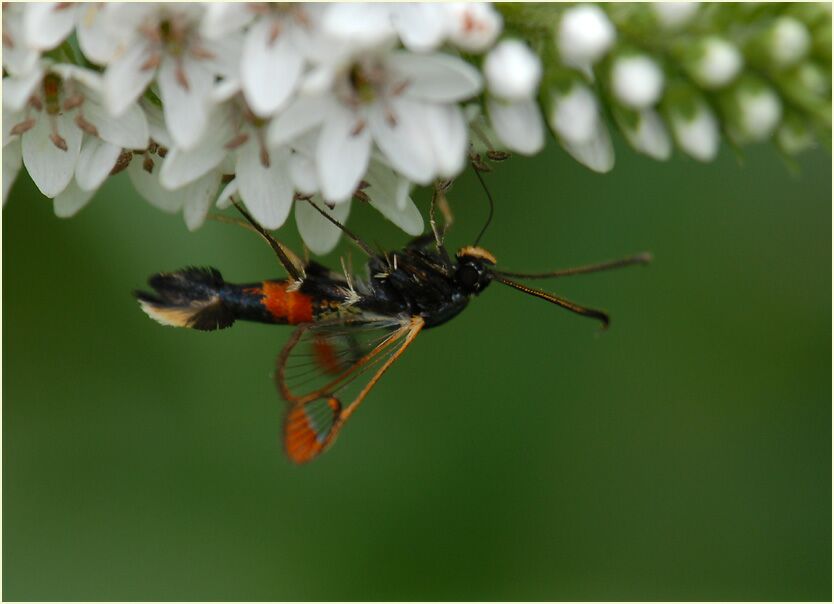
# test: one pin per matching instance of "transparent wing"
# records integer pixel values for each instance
(327, 369)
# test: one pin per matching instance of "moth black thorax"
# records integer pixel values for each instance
(425, 283)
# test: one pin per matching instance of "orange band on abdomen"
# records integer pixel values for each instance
(289, 307)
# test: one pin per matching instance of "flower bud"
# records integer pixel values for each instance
(637, 81)
(574, 118)
(693, 123)
(674, 15)
(753, 110)
(574, 115)
(645, 132)
(474, 25)
(512, 71)
(789, 41)
(584, 35)
(717, 62)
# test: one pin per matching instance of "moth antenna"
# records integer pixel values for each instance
(642, 258)
(592, 313)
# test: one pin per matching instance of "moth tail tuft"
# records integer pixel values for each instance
(192, 298)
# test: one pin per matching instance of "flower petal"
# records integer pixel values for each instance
(16, 91)
(342, 155)
(435, 77)
(422, 26)
(519, 125)
(385, 182)
(266, 191)
(182, 166)
(224, 200)
(50, 167)
(597, 153)
(447, 134)
(405, 215)
(197, 198)
(47, 24)
(71, 200)
(302, 115)
(650, 137)
(18, 58)
(319, 234)
(125, 79)
(95, 39)
(270, 69)
(404, 140)
(147, 185)
(303, 174)
(363, 25)
(129, 131)
(95, 161)
(12, 160)
(186, 108)
(223, 18)
(156, 123)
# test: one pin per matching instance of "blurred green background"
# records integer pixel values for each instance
(515, 453)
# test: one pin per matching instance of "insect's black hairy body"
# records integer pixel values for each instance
(420, 285)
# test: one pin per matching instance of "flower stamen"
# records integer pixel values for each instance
(237, 141)
(59, 141)
(85, 125)
(358, 127)
(23, 126)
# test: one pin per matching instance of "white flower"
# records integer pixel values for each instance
(512, 71)
(47, 24)
(636, 81)
(584, 35)
(697, 135)
(789, 41)
(421, 27)
(473, 26)
(385, 191)
(760, 112)
(55, 111)
(164, 41)
(226, 18)
(272, 62)
(674, 15)
(518, 124)
(319, 234)
(403, 102)
(262, 174)
(18, 57)
(718, 64)
(575, 118)
(98, 44)
(193, 199)
(574, 115)
(649, 136)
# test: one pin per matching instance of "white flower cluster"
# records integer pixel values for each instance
(205, 104)
(264, 103)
